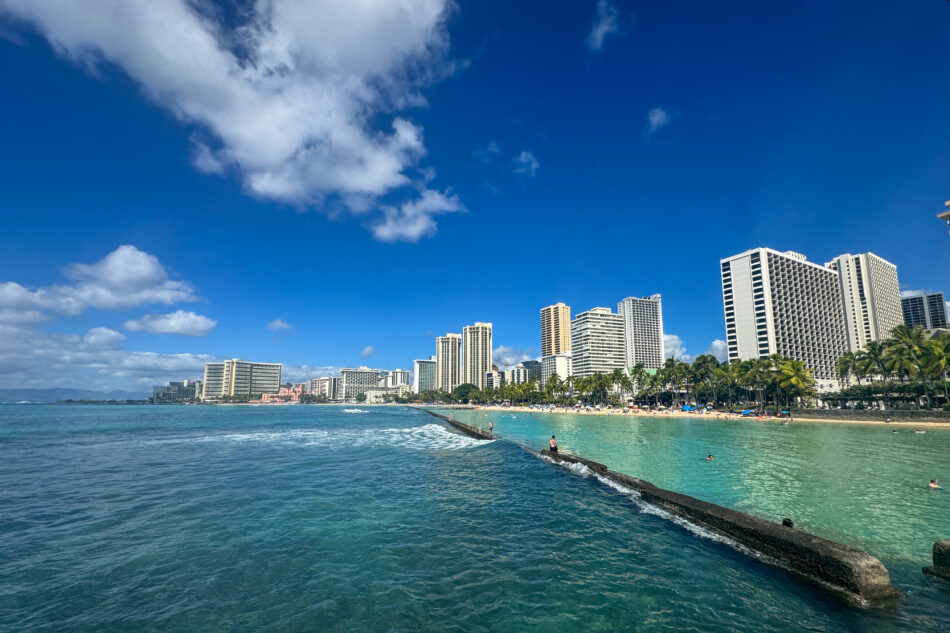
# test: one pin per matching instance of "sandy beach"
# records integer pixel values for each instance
(716, 415)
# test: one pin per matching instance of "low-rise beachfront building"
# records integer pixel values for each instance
(556, 364)
(870, 294)
(926, 309)
(494, 379)
(597, 343)
(379, 395)
(356, 380)
(448, 362)
(780, 303)
(423, 374)
(236, 378)
(642, 330)
(179, 391)
(517, 375)
(327, 387)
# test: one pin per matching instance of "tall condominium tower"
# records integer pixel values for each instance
(423, 374)
(870, 296)
(476, 354)
(555, 329)
(448, 362)
(780, 303)
(926, 309)
(238, 377)
(642, 331)
(597, 342)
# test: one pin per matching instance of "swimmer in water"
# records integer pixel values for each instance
(709, 458)
(933, 483)
(553, 444)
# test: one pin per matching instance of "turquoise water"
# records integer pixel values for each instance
(313, 519)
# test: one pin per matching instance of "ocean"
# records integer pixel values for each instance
(315, 518)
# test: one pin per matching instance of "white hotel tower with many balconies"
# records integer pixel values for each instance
(780, 303)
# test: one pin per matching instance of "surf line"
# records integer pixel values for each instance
(848, 573)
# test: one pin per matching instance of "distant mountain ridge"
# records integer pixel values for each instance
(57, 394)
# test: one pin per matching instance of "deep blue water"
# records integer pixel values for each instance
(312, 519)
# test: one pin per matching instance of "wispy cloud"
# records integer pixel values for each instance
(487, 153)
(505, 356)
(526, 163)
(304, 101)
(178, 322)
(657, 118)
(606, 23)
(413, 219)
(279, 325)
(367, 351)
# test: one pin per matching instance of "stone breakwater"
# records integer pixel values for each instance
(849, 573)
(941, 554)
(468, 429)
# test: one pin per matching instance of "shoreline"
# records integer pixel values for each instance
(666, 415)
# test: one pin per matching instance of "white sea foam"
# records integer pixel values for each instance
(426, 437)
(355, 411)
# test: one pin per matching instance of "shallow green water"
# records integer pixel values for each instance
(862, 485)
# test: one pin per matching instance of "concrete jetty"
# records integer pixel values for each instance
(849, 573)
(468, 429)
(941, 566)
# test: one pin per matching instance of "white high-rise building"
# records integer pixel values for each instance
(423, 374)
(356, 380)
(394, 378)
(559, 364)
(517, 375)
(238, 377)
(597, 342)
(448, 362)
(870, 295)
(476, 353)
(327, 386)
(642, 331)
(555, 329)
(926, 309)
(780, 303)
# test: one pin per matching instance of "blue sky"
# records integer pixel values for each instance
(373, 175)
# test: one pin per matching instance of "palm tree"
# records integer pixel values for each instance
(796, 379)
(844, 367)
(872, 360)
(934, 364)
(638, 377)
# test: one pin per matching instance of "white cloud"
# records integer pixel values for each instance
(103, 337)
(673, 347)
(505, 356)
(657, 118)
(279, 324)
(915, 293)
(300, 373)
(413, 219)
(178, 322)
(301, 98)
(718, 349)
(606, 23)
(487, 153)
(367, 351)
(526, 163)
(124, 278)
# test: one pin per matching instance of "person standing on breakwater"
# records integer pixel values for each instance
(553, 444)
(491, 428)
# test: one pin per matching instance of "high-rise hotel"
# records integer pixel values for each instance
(642, 331)
(597, 342)
(780, 303)
(555, 329)
(926, 309)
(870, 295)
(448, 362)
(476, 354)
(238, 377)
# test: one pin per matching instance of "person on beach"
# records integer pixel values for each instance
(934, 484)
(491, 427)
(553, 444)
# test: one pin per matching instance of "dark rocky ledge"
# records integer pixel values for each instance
(941, 565)
(849, 573)
(468, 429)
